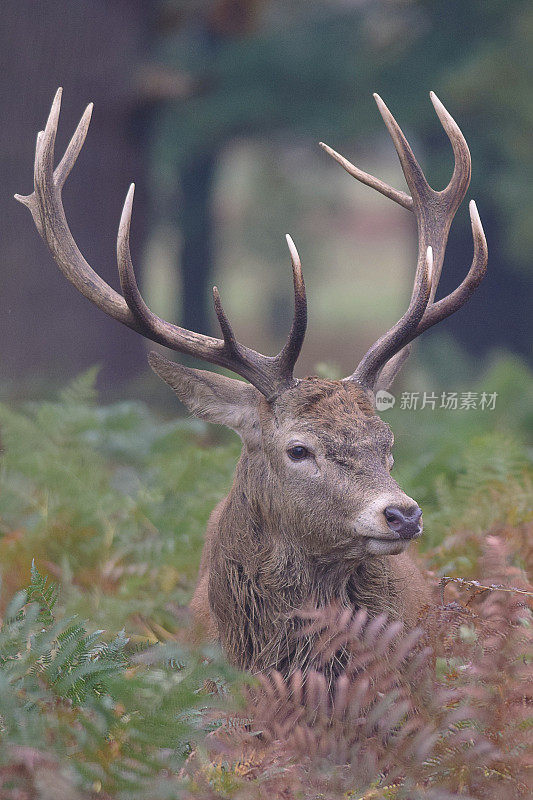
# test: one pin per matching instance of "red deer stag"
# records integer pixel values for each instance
(313, 515)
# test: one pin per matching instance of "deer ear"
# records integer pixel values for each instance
(213, 397)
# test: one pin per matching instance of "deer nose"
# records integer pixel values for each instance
(405, 521)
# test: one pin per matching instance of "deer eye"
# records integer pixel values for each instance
(298, 452)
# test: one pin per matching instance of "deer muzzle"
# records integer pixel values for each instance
(389, 523)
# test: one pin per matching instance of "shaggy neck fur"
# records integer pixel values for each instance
(261, 575)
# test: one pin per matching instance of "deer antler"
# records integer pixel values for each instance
(270, 374)
(434, 212)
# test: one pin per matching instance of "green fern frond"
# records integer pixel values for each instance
(82, 389)
(43, 593)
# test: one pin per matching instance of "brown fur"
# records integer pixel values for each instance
(277, 543)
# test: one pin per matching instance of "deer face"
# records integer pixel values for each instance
(329, 459)
(319, 459)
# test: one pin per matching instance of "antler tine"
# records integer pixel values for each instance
(63, 169)
(74, 147)
(434, 212)
(290, 352)
(287, 357)
(460, 180)
(412, 171)
(438, 311)
(146, 322)
(401, 333)
(226, 353)
(380, 186)
(225, 325)
(269, 374)
(48, 214)
(456, 299)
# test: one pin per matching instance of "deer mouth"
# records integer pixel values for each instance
(388, 544)
(385, 545)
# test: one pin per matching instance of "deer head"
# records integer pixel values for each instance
(316, 458)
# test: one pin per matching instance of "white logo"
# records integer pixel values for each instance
(384, 400)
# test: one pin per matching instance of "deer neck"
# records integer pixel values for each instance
(265, 539)
(261, 573)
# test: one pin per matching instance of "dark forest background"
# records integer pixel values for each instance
(214, 109)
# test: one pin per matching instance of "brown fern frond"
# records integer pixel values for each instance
(388, 725)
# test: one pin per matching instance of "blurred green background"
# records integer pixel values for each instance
(215, 109)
